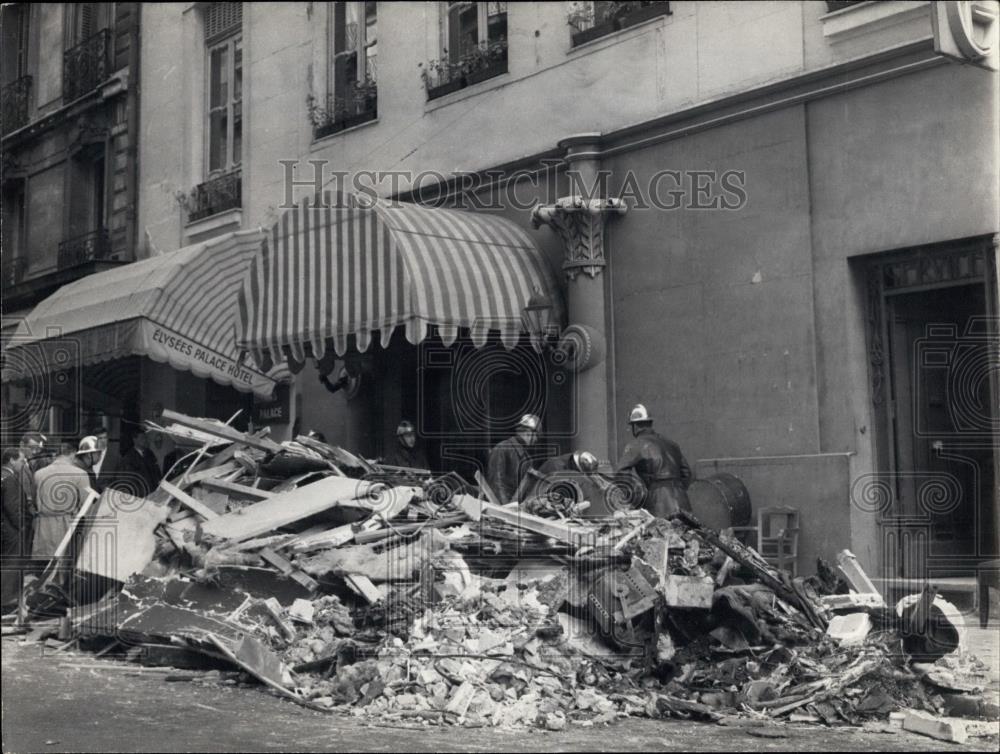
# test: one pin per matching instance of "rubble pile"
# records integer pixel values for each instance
(397, 595)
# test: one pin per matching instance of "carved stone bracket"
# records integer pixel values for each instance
(580, 224)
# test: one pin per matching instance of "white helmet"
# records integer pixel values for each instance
(639, 414)
(585, 461)
(530, 421)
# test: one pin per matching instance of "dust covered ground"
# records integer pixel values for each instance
(69, 701)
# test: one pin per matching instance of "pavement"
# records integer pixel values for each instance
(69, 701)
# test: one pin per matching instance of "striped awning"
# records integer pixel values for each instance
(331, 270)
(178, 308)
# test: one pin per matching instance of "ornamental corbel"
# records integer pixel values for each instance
(580, 224)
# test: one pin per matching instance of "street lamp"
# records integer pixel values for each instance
(538, 313)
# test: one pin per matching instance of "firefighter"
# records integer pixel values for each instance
(660, 465)
(510, 459)
(406, 452)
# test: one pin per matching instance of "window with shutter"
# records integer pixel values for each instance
(222, 19)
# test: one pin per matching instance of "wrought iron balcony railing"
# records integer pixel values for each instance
(86, 65)
(89, 247)
(13, 271)
(215, 195)
(14, 101)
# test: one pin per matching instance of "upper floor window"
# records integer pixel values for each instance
(352, 68)
(224, 125)
(474, 47)
(592, 19)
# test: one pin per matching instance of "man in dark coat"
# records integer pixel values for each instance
(19, 491)
(510, 459)
(660, 465)
(138, 473)
(405, 451)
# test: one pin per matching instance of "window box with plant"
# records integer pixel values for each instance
(592, 20)
(442, 77)
(485, 61)
(341, 113)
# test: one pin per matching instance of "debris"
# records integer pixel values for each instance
(689, 591)
(858, 580)
(942, 729)
(849, 629)
(287, 508)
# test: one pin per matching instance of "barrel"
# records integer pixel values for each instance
(720, 501)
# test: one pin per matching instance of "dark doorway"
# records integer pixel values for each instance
(933, 338)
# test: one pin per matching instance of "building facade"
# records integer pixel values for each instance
(799, 283)
(70, 105)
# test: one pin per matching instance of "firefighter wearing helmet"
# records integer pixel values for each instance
(510, 459)
(405, 450)
(660, 465)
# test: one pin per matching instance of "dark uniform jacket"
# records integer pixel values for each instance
(137, 474)
(411, 458)
(662, 468)
(509, 463)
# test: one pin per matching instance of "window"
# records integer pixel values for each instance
(225, 105)
(591, 20)
(352, 93)
(472, 25)
(474, 47)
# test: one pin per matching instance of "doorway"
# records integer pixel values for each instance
(933, 354)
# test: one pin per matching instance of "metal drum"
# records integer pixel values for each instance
(720, 501)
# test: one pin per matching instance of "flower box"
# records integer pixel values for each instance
(433, 92)
(594, 32)
(644, 13)
(488, 72)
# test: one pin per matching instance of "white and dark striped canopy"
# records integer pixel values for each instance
(177, 308)
(329, 271)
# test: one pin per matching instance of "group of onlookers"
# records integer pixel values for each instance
(44, 487)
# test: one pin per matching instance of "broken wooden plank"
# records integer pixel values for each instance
(50, 569)
(237, 489)
(363, 586)
(573, 534)
(487, 490)
(218, 429)
(270, 556)
(212, 472)
(848, 564)
(286, 508)
(185, 499)
(124, 541)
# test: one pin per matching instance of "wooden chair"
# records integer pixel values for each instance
(778, 537)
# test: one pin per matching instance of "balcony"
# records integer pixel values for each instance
(215, 195)
(481, 62)
(342, 113)
(13, 272)
(14, 101)
(89, 247)
(86, 66)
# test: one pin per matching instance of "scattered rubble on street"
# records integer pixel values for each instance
(394, 594)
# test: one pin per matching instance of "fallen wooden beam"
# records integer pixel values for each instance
(237, 489)
(286, 508)
(573, 534)
(185, 499)
(220, 430)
